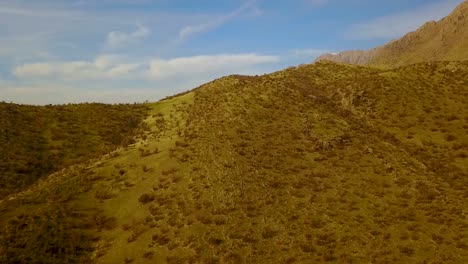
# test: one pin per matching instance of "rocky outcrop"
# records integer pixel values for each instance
(444, 40)
(360, 57)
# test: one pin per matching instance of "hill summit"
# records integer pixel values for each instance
(446, 39)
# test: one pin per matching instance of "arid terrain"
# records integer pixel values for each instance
(324, 162)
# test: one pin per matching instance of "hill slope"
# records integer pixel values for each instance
(38, 140)
(319, 163)
(445, 40)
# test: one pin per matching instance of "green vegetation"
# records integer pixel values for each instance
(314, 164)
(317, 163)
(64, 217)
(38, 140)
(49, 223)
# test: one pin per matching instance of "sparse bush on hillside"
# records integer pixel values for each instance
(146, 198)
(145, 152)
(38, 140)
(169, 171)
(50, 236)
(276, 175)
(312, 148)
(104, 193)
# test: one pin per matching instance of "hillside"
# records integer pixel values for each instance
(445, 40)
(318, 163)
(38, 140)
(357, 57)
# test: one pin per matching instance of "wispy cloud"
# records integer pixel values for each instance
(103, 67)
(19, 11)
(65, 62)
(52, 51)
(112, 78)
(210, 64)
(217, 21)
(396, 25)
(117, 67)
(33, 31)
(117, 39)
(308, 52)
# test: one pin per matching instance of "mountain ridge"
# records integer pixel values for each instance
(446, 39)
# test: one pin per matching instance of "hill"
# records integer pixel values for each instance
(38, 140)
(318, 163)
(445, 40)
(357, 57)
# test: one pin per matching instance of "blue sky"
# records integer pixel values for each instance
(60, 51)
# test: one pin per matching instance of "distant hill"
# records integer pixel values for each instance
(38, 140)
(317, 163)
(445, 40)
(358, 57)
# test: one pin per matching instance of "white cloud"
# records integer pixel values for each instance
(396, 25)
(308, 52)
(34, 69)
(113, 67)
(214, 64)
(117, 39)
(114, 78)
(191, 30)
(49, 52)
(34, 30)
(216, 22)
(103, 67)
(19, 11)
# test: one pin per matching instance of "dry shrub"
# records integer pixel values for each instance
(146, 198)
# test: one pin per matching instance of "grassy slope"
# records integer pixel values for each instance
(301, 166)
(320, 163)
(38, 140)
(62, 218)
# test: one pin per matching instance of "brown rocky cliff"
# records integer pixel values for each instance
(446, 39)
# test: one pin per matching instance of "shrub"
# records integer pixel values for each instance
(78, 132)
(147, 169)
(49, 236)
(148, 254)
(105, 222)
(169, 171)
(104, 193)
(144, 153)
(146, 198)
(129, 260)
(451, 138)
